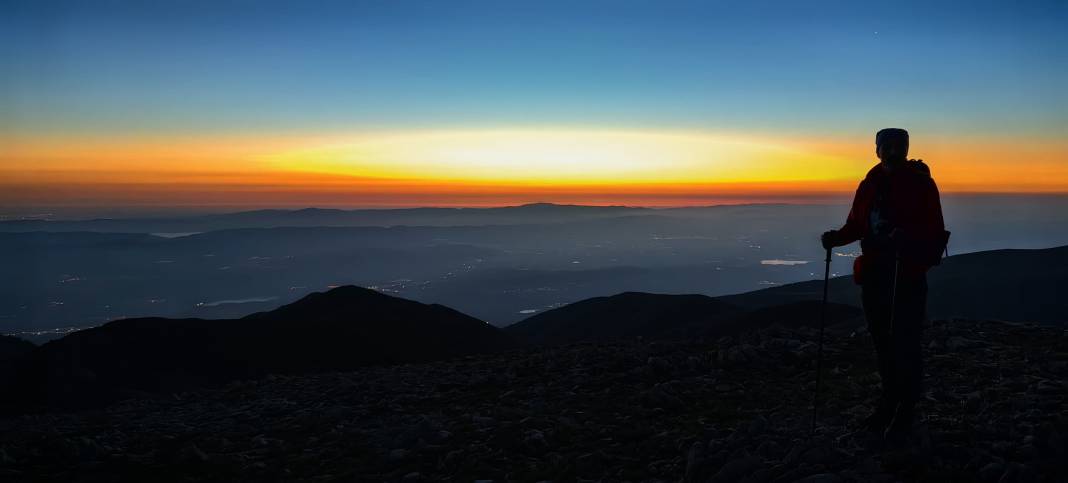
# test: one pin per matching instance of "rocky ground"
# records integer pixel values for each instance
(733, 409)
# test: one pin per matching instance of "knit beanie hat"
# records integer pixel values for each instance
(892, 133)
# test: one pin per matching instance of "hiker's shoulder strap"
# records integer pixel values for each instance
(918, 167)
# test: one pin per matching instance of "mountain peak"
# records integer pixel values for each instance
(334, 302)
(346, 293)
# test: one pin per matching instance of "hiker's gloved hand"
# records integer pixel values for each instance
(829, 239)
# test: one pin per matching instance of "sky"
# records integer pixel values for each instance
(241, 104)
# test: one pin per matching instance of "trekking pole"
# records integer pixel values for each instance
(819, 353)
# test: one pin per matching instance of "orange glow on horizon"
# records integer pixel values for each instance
(495, 167)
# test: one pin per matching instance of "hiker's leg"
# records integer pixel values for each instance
(907, 338)
(875, 296)
(908, 330)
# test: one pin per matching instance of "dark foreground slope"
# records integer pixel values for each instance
(11, 349)
(728, 410)
(345, 328)
(1011, 285)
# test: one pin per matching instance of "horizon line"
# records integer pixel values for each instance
(180, 210)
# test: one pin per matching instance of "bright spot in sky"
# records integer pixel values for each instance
(563, 156)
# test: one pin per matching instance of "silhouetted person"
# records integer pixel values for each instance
(897, 216)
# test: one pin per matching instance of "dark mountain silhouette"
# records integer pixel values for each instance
(1010, 285)
(345, 328)
(631, 314)
(353, 326)
(842, 290)
(622, 315)
(350, 327)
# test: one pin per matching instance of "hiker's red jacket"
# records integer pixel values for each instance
(912, 196)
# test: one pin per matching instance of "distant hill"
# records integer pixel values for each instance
(632, 314)
(345, 328)
(622, 315)
(1009, 285)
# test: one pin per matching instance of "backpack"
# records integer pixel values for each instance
(881, 224)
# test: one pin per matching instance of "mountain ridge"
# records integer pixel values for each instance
(345, 328)
(349, 327)
(1025, 288)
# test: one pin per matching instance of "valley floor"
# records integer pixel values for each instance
(733, 409)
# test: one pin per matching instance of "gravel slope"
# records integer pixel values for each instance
(732, 409)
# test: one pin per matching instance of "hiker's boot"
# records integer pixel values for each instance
(900, 429)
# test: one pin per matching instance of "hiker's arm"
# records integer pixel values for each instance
(855, 224)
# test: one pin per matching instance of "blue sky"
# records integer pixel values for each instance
(964, 68)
